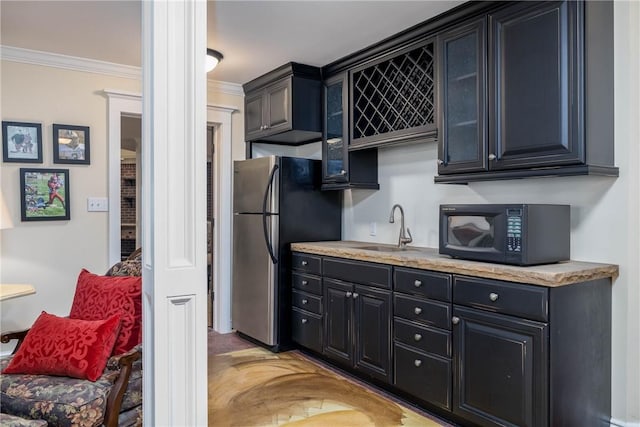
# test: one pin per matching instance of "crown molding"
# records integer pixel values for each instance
(225, 87)
(56, 60)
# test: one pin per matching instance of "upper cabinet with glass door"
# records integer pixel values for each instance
(342, 169)
(462, 98)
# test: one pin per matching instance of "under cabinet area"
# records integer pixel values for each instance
(475, 350)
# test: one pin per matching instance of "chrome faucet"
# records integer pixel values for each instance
(402, 239)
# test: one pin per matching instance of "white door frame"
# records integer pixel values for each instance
(129, 103)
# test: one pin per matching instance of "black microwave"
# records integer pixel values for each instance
(520, 234)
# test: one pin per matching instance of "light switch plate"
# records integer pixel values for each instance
(373, 228)
(97, 204)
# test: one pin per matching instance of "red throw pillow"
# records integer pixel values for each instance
(98, 297)
(66, 347)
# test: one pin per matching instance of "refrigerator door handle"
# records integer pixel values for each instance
(265, 214)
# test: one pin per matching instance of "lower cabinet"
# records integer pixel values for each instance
(358, 327)
(482, 352)
(500, 369)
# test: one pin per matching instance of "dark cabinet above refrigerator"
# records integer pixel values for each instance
(284, 106)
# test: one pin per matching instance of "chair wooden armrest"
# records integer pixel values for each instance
(14, 335)
(124, 364)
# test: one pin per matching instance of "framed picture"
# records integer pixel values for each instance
(44, 194)
(71, 144)
(21, 142)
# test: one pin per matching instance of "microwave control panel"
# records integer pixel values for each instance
(514, 230)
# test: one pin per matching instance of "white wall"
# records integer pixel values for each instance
(604, 211)
(49, 255)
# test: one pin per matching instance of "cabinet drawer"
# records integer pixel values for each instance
(432, 313)
(429, 340)
(365, 273)
(425, 283)
(529, 302)
(424, 376)
(306, 263)
(307, 283)
(307, 302)
(306, 330)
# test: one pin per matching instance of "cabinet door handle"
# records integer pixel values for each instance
(493, 296)
(304, 282)
(440, 162)
(304, 321)
(304, 263)
(417, 310)
(343, 172)
(348, 294)
(492, 156)
(304, 301)
(417, 363)
(417, 283)
(455, 320)
(417, 337)
(355, 295)
(262, 127)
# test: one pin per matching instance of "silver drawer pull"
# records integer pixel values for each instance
(417, 310)
(493, 296)
(348, 294)
(304, 321)
(304, 301)
(304, 282)
(355, 295)
(455, 320)
(417, 283)
(417, 363)
(304, 263)
(417, 337)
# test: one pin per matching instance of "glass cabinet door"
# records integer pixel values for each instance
(462, 144)
(334, 142)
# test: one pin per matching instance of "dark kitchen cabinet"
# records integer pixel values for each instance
(342, 169)
(393, 97)
(422, 335)
(358, 327)
(307, 302)
(529, 355)
(500, 369)
(338, 316)
(544, 73)
(284, 106)
(462, 98)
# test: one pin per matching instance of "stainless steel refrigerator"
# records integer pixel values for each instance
(276, 201)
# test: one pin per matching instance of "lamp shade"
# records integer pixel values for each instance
(213, 58)
(5, 215)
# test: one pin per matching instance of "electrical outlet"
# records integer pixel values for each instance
(373, 228)
(97, 204)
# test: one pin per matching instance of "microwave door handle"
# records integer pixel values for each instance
(267, 241)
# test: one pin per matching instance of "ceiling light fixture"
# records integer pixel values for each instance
(213, 57)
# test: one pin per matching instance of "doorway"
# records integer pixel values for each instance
(130, 143)
(219, 124)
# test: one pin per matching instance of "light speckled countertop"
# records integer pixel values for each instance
(551, 275)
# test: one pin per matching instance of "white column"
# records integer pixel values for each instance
(174, 213)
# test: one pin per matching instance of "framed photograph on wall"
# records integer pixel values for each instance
(21, 142)
(44, 194)
(71, 144)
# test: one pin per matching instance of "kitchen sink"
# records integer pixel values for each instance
(386, 249)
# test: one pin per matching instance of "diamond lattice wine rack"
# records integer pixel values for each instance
(393, 99)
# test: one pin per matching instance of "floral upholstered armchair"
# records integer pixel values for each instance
(82, 370)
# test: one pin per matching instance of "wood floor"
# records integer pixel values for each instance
(252, 387)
